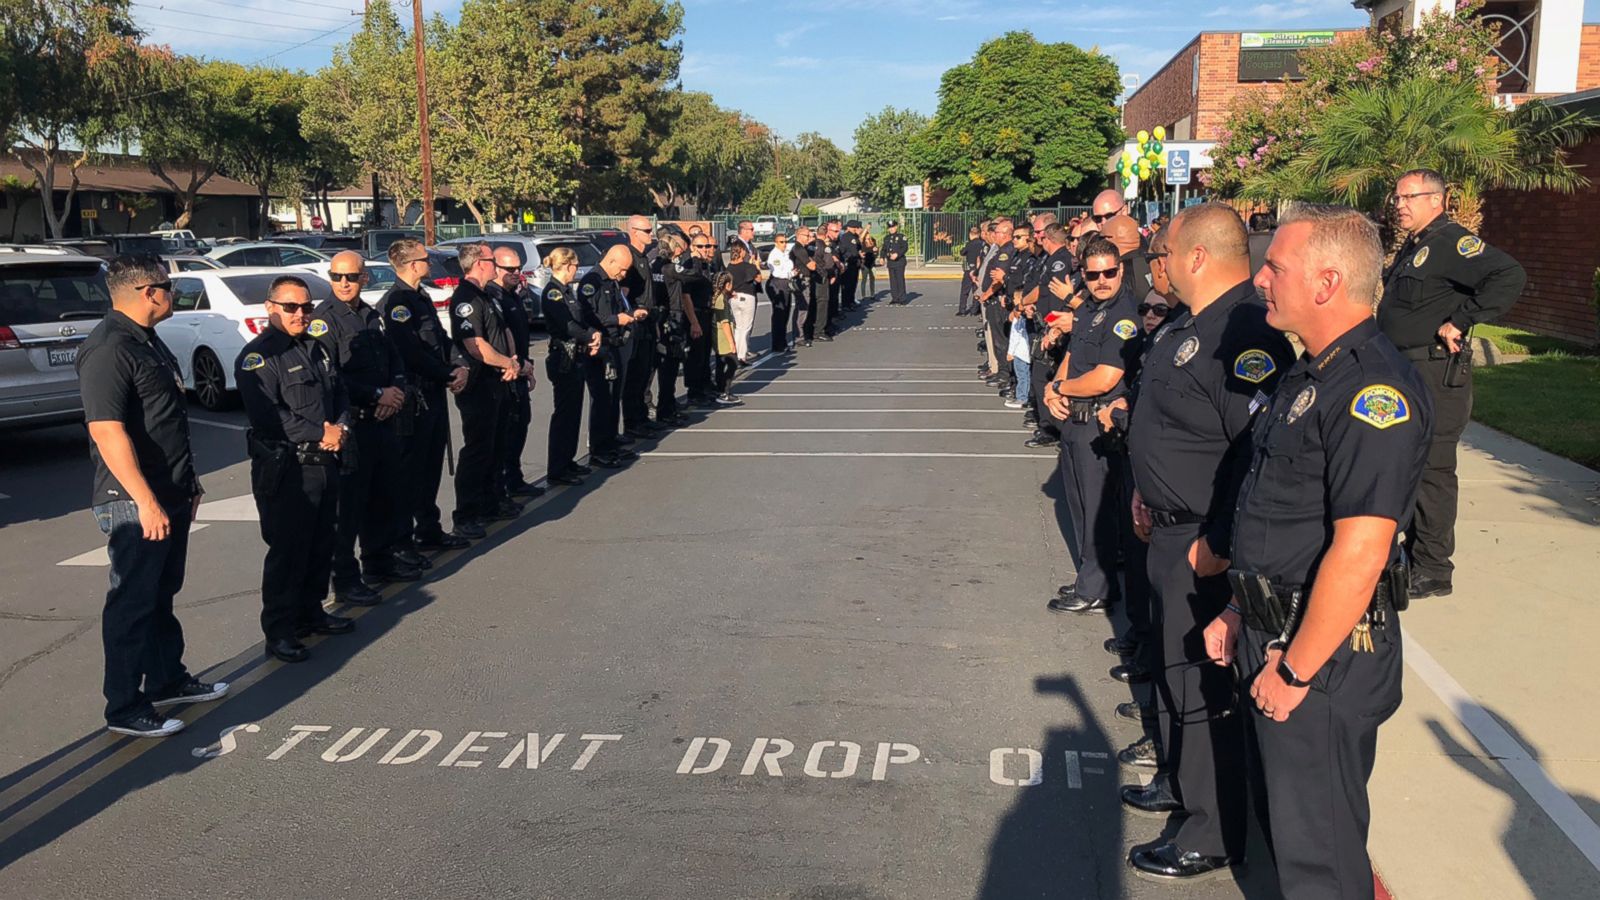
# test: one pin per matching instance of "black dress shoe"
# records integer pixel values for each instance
(604, 461)
(568, 478)
(327, 624)
(641, 432)
(524, 489)
(441, 541)
(408, 557)
(1424, 587)
(1130, 673)
(1041, 440)
(580, 469)
(394, 571)
(1121, 646)
(505, 512)
(626, 455)
(357, 595)
(1155, 800)
(625, 440)
(289, 650)
(1076, 604)
(1170, 863)
(1067, 590)
(470, 530)
(1134, 711)
(1140, 754)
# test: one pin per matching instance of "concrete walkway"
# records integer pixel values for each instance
(1488, 778)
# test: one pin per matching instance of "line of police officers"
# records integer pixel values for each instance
(1270, 515)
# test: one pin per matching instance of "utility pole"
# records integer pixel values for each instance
(422, 123)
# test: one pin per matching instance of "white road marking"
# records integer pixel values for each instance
(233, 509)
(1505, 749)
(877, 368)
(869, 394)
(100, 556)
(853, 431)
(663, 454)
(873, 381)
(215, 424)
(903, 409)
(5, 496)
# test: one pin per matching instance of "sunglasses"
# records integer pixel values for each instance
(407, 262)
(704, 246)
(645, 230)
(1104, 216)
(158, 285)
(508, 268)
(1100, 274)
(344, 276)
(1152, 257)
(294, 308)
(1159, 309)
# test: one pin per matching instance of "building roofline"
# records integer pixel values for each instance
(1198, 35)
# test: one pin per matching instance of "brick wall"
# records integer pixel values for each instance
(1589, 58)
(1546, 232)
(1167, 97)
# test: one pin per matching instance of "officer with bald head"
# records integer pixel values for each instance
(1124, 232)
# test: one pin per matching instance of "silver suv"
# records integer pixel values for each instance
(50, 299)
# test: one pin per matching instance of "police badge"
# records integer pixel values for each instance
(1186, 351)
(1420, 258)
(1098, 318)
(1302, 402)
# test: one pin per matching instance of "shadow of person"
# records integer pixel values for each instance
(1063, 837)
(1548, 870)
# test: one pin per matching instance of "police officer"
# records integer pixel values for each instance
(996, 265)
(970, 255)
(849, 248)
(1205, 374)
(606, 311)
(805, 286)
(1316, 569)
(1443, 281)
(1052, 324)
(1105, 346)
(415, 329)
(507, 291)
(299, 421)
(574, 347)
(826, 254)
(642, 290)
(374, 378)
(485, 344)
(895, 249)
(672, 263)
(693, 275)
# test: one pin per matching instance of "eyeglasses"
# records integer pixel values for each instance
(407, 262)
(1151, 256)
(1159, 309)
(295, 309)
(1100, 274)
(1101, 217)
(1407, 198)
(158, 285)
(344, 276)
(508, 268)
(704, 246)
(644, 230)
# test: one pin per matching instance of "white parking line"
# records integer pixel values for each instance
(215, 424)
(902, 409)
(1011, 431)
(866, 381)
(800, 367)
(655, 454)
(99, 556)
(233, 509)
(766, 394)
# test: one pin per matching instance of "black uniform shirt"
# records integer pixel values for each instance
(602, 302)
(895, 249)
(128, 375)
(515, 314)
(1346, 435)
(827, 260)
(1106, 334)
(1136, 268)
(801, 255)
(1056, 265)
(1000, 259)
(368, 361)
(564, 317)
(289, 387)
(474, 314)
(417, 333)
(636, 281)
(1445, 273)
(1202, 379)
(849, 248)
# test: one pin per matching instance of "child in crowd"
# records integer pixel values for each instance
(727, 351)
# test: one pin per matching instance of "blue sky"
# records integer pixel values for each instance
(815, 65)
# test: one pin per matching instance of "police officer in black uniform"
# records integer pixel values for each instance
(826, 254)
(895, 249)
(510, 298)
(643, 291)
(1206, 373)
(574, 348)
(1443, 281)
(1052, 321)
(849, 250)
(1106, 341)
(971, 253)
(606, 311)
(374, 378)
(419, 335)
(299, 420)
(805, 285)
(675, 266)
(693, 275)
(484, 344)
(991, 296)
(1317, 572)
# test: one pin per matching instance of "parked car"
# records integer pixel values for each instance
(175, 240)
(110, 246)
(376, 241)
(531, 250)
(50, 299)
(267, 253)
(214, 315)
(326, 241)
(176, 263)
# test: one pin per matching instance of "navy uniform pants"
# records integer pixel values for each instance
(367, 500)
(1432, 537)
(1202, 731)
(603, 404)
(517, 416)
(641, 365)
(897, 282)
(422, 465)
(477, 473)
(1316, 766)
(566, 387)
(297, 525)
(1093, 497)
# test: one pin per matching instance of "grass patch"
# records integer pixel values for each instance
(1526, 343)
(1551, 401)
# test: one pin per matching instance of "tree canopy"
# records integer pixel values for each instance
(883, 161)
(712, 157)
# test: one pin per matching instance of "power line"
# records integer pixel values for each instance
(230, 36)
(256, 22)
(299, 17)
(252, 62)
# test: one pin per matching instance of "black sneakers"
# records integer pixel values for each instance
(146, 726)
(192, 691)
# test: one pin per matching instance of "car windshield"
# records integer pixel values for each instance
(140, 244)
(379, 278)
(34, 293)
(252, 289)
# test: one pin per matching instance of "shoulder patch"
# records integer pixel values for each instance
(553, 294)
(1381, 406)
(1057, 266)
(464, 309)
(317, 328)
(1470, 246)
(1004, 256)
(588, 290)
(401, 313)
(1420, 258)
(252, 362)
(1254, 366)
(1125, 329)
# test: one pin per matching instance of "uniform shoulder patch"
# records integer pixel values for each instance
(552, 294)
(1470, 246)
(1420, 258)
(1254, 366)
(317, 328)
(1057, 266)
(1004, 256)
(1125, 329)
(1380, 406)
(401, 313)
(252, 362)
(588, 290)
(464, 309)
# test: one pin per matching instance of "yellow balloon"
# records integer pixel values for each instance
(1160, 133)
(1143, 137)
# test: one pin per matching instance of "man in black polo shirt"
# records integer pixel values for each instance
(506, 289)
(492, 365)
(146, 495)
(643, 292)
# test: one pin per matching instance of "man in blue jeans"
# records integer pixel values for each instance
(145, 497)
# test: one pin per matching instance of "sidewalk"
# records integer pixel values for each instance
(1488, 778)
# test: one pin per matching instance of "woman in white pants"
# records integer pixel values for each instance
(746, 282)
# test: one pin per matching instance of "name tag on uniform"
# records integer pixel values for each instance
(1257, 402)
(296, 368)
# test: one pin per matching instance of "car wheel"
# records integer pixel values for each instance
(210, 381)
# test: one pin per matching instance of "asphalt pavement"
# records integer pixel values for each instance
(799, 650)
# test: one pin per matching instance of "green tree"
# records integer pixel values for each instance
(180, 122)
(1022, 123)
(883, 163)
(326, 167)
(814, 165)
(712, 157)
(614, 64)
(266, 147)
(17, 192)
(496, 143)
(772, 197)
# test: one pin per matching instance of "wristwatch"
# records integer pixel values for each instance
(1288, 674)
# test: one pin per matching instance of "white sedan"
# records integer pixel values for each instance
(214, 315)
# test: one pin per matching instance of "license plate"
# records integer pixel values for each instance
(63, 356)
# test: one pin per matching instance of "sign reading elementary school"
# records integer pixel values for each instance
(1284, 40)
(1275, 55)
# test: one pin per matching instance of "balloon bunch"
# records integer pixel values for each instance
(1139, 165)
